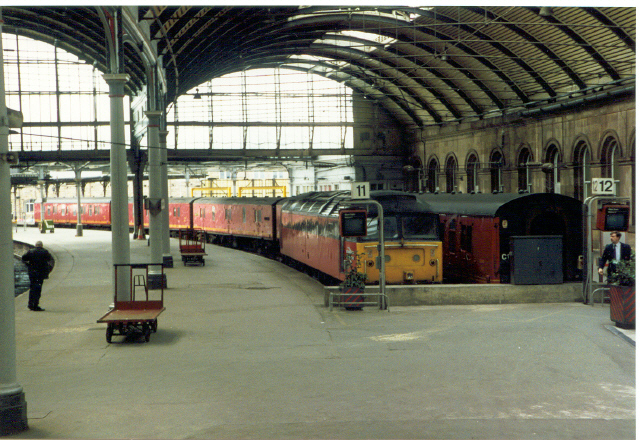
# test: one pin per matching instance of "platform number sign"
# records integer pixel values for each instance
(603, 186)
(360, 190)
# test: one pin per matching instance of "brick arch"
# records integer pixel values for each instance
(552, 160)
(432, 171)
(582, 154)
(472, 167)
(497, 163)
(451, 171)
(551, 143)
(524, 156)
(610, 150)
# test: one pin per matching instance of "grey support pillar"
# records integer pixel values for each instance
(155, 201)
(78, 171)
(120, 246)
(13, 405)
(167, 258)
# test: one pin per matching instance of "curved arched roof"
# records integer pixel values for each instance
(425, 66)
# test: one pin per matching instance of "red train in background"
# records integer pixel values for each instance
(481, 232)
(303, 229)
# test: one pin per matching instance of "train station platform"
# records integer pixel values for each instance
(247, 349)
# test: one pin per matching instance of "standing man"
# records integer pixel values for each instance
(613, 253)
(37, 261)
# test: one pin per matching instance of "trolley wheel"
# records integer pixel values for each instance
(109, 332)
(146, 329)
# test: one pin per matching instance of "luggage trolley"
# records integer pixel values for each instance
(192, 246)
(137, 315)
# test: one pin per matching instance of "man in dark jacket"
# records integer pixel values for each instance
(38, 262)
(613, 253)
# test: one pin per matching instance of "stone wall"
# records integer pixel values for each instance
(593, 128)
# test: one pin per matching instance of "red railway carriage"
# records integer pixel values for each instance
(240, 218)
(478, 231)
(180, 213)
(308, 231)
(95, 211)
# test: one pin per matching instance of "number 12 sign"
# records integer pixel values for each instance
(603, 186)
(360, 190)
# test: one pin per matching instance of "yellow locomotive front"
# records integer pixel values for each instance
(413, 249)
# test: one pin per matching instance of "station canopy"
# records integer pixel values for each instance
(424, 65)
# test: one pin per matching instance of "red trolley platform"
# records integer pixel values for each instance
(191, 244)
(137, 315)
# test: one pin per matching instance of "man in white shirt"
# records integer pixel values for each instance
(613, 253)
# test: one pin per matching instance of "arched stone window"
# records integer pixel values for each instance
(609, 157)
(432, 175)
(450, 173)
(552, 163)
(496, 166)
(581, 170)
(472, 173)
(524, 172)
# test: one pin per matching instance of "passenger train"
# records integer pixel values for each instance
(428, 237)
(304, 229)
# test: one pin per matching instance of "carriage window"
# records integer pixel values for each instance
(227, 214)
(258, 215)
(98, 210)
(244, 214)
(213, 213)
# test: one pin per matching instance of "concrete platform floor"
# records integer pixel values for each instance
(247, 349)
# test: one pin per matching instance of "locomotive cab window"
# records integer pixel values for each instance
(406, 227)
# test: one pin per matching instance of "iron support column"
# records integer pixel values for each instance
(167, 258)
(78, 171)
(155, 202)
(120, 246)
(13, 405)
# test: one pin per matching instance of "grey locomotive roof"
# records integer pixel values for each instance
(488, 204)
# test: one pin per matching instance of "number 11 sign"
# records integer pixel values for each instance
(360, 190)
